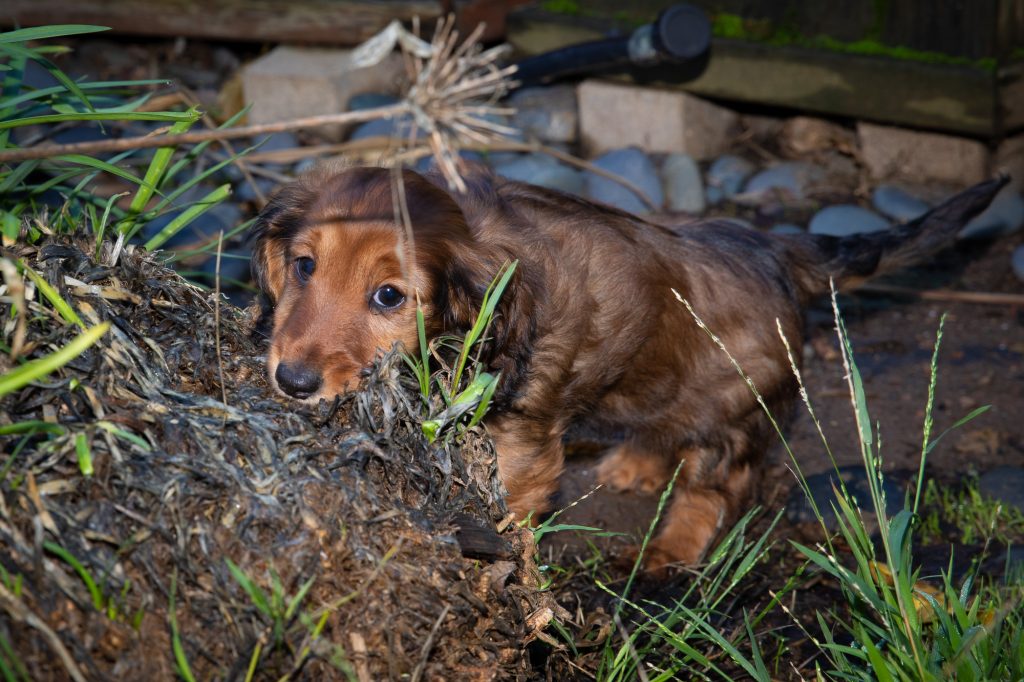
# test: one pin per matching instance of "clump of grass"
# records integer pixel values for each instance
(975, 517)
(457, 395)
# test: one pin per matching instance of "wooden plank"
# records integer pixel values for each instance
(331, 22)
(952, 98)
(962, 99)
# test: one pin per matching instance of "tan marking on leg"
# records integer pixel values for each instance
(629, 467)
(529, 466)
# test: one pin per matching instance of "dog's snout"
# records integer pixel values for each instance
(297, 380)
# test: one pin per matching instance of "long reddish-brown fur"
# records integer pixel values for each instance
(588, 329)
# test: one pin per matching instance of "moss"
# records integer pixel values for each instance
(757, 30)
(568, 7)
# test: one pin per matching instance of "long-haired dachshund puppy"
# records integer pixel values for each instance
(588, 329)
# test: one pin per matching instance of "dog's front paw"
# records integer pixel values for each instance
(628, 468)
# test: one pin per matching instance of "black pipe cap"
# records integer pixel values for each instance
(682, 32)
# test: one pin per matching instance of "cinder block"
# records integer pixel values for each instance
(1010, 159)
(892, 153)
(613, 116)
(292, 82)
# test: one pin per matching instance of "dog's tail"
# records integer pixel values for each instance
(850, 260)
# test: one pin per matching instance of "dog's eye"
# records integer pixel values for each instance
(387, 298)
(304, 268)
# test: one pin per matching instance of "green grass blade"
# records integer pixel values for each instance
(43, 93)
(485, 401)
(84, 455)
(31, 426)
(82, 160)
(82, 571)
(62, 307)
(169, 116)
(36, 369)
(36, 56)
(188, 215)
(293, 605)
(121, 433)
(256, 595)
(157, 168)
(22, 35)
(180, 658)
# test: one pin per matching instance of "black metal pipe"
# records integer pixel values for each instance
(680, 36)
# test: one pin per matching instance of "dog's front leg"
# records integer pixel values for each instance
(530, 460)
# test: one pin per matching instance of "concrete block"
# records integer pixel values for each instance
(613, 116)
(891, 153)
(291, 82)
(1009, 158)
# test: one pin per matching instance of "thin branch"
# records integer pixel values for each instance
(149, 142)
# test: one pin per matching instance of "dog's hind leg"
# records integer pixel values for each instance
(631, 466)
(696, 516)
(530, 460)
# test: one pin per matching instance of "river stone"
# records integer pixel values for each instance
(1005, 215)
(726, 175)
(791, 177)
(897, 203)
(633, 165)
(371, 100)
(787, 228)
(548, 114)
(846, 219)
(541, 169)
(383, 127)
(684, 188)
(1017, 261)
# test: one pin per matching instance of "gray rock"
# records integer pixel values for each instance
(787, 228)
(548, 113)
(726, 175)
(799, 509)
(495, 159)
(383, 127)
(684, 188)
(897, 203)
(1005, 484)
(1017, 262)
(541, 169)
(224, 216)
(846, 219)
(244, 191)
(1005, 215)
(790, 177)
(428, 163)
(371, 100)
(277, 142)
(633, 165)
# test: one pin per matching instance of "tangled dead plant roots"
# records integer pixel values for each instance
(108, 576)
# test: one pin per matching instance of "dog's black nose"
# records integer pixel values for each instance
(297, 380)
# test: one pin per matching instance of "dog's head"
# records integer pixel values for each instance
(341, 278)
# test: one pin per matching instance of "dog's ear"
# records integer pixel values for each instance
(459, 299)
(274, 228)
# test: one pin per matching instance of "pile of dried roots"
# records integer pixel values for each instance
(213, 506)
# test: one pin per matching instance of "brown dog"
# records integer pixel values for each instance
(588, 329)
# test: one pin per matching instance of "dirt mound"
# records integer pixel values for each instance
(208, 515)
